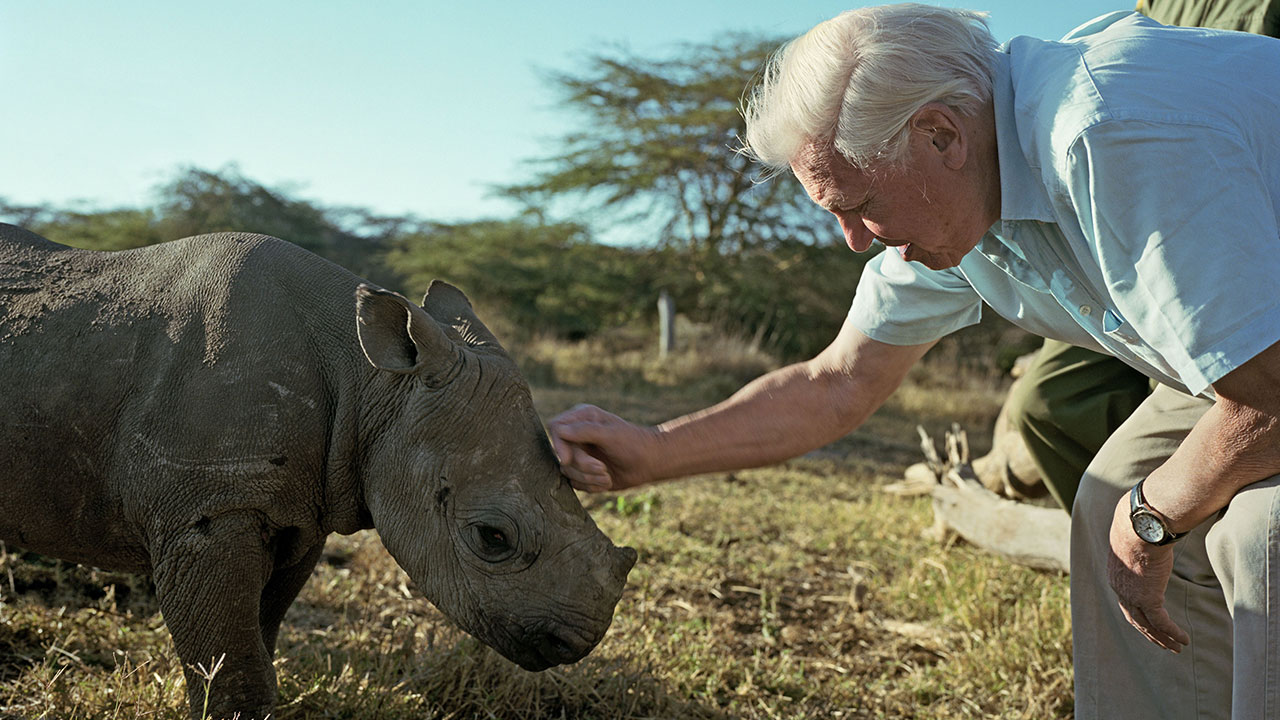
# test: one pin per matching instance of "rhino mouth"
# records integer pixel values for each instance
(544, 646)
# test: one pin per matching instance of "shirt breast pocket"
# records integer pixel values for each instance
(1115, 326)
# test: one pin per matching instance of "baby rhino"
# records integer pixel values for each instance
(208, 410)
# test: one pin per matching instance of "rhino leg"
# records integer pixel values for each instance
(279, 593)
(209, 580)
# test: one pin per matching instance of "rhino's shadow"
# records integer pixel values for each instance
(466, 679)
(419, 662)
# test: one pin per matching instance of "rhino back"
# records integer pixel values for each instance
(146, 390)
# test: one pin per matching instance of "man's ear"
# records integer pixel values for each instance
(946, 134)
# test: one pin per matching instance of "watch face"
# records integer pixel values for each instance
(1148, 527)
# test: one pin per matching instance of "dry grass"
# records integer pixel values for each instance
(799, 591)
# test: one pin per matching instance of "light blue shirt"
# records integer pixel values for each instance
(1140, 204)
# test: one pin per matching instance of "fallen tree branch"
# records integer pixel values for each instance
(1024, 533)
(1030, 535)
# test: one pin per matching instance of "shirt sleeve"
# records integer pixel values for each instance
(1184, 228)
(904, 303)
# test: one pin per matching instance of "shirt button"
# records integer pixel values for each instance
(1085, 310)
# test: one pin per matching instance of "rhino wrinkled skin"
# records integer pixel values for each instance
(208, 410)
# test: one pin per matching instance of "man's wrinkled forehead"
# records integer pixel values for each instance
(814, 158)
(829, 179)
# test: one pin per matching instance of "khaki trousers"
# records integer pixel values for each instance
(1225, 591)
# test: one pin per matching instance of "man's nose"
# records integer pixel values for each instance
(856, 233)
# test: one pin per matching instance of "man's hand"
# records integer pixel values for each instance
(1139, 573)
(600, 451)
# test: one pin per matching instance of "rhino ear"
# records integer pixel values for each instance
(397, 335)
(447, 304)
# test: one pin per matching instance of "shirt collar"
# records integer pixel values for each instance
(1022, 191)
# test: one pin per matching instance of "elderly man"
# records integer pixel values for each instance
(1118, 190)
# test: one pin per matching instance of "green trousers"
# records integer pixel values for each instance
(1255, 16)
(1066, 405)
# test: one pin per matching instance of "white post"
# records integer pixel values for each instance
(666, 324)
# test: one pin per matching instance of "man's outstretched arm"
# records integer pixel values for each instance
(780, 415)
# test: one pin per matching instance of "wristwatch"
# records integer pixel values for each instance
(1147, 523)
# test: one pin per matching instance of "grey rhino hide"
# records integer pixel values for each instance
(208, 410)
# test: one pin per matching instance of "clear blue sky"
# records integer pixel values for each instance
(402, 107)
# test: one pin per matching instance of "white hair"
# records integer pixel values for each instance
(856, 80)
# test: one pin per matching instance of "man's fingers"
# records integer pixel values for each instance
(1163, 627)
(592, 483)
(588, 482)
(575, 457)
(570, 431)
(564, 453)
(588, 463)
(580, 425)
(571, 454)
(584, 471)
(1156, 626)
(1138, 619)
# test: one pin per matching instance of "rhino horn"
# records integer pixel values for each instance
(397, 335)
(447, 304)
(622, 559)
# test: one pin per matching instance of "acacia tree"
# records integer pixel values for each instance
(659, 142)
(657, 149)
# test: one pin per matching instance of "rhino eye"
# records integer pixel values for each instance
(492, 543)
